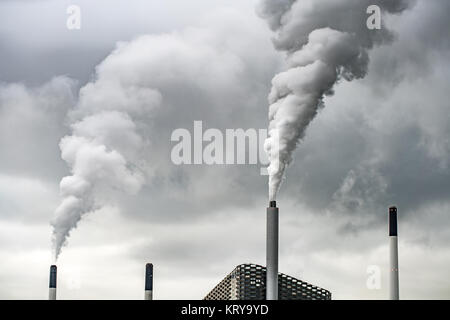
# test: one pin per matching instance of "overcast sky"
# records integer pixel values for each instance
(379, 141)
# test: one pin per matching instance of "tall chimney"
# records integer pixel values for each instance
(148, 282)
(393, 248)
(272, 252)
(52, 285)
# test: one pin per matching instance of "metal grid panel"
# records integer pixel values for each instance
(247, 282)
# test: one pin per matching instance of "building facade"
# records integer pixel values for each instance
(247, 282)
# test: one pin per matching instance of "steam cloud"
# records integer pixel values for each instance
(104, 150)
(109, 150)
(325, 41)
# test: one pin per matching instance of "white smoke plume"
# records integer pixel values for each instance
(98, 166)
(325, 40)
(116, 123)
(104, 150)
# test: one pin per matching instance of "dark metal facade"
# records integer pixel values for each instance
(247, 282)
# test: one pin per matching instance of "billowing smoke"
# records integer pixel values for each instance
(119, 129)
(325, 41)
(104, 150)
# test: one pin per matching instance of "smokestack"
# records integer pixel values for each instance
(148, 282)
(52, 285)
(272, 252)
(393, 248)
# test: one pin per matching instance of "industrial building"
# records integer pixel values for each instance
(248, 282)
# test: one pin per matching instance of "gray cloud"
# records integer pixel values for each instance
(32, 120)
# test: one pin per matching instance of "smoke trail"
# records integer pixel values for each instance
(325, 40)
(109, 150)
(103, 151)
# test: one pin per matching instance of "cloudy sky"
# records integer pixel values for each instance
(117, 88)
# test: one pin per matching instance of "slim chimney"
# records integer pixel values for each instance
(148, 282)
(272, 252)
(393, 248)
(52, 285)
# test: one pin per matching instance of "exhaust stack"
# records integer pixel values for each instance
(393, 248)
(272, 252)
(148, 282)
(52, 285)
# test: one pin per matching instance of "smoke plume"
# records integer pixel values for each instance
(103, 150)
(116, 145)
(325, 41)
